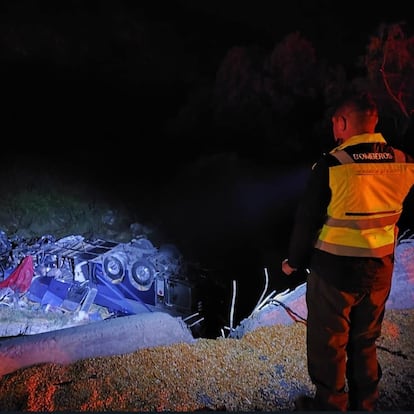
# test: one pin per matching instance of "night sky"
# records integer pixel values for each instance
(114, 92)
(107, 74)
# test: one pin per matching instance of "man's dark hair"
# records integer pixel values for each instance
(359, 100)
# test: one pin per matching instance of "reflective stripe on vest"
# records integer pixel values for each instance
(365, 206)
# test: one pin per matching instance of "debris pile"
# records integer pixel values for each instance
(85, 281)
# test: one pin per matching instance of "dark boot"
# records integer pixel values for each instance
(305, 403)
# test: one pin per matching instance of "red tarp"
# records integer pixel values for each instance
(21, 278)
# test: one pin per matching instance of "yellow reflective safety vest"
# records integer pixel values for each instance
(368, 189)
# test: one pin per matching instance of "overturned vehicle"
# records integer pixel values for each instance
(75, 275)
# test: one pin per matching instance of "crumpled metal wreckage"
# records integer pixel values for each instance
(72, 273)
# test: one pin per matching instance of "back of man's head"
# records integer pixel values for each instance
(361, 109)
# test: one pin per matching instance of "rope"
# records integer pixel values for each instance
(295, 316)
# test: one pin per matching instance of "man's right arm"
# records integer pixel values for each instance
(310, 216)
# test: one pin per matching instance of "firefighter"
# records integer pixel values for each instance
(345, 232)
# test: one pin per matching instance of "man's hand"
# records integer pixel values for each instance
(287, 269)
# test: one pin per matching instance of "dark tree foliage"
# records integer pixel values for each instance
(145, 72)
(273, 98)
(389, 61)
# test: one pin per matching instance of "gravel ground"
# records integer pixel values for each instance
(265, 370)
